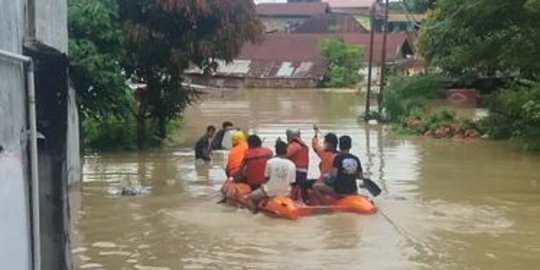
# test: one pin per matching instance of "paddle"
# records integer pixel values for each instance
(371, 186)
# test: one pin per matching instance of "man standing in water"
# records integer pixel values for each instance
(298, 153)
(202, 147)
(346, 169)
(279, 172)
(220, 142)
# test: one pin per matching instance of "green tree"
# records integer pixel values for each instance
(414, 6)
(165, 37)
(97, 53)
(466, 37)
(344, 62)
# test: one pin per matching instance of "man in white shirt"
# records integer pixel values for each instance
(280, 173)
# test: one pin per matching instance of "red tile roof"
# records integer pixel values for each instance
(305, 48)
(292, 9)
(350, 3)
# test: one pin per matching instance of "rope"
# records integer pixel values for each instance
(408, 235)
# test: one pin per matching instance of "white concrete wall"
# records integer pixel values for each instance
(51, 28)
(73, 162)
(14, 224)
(51, 23)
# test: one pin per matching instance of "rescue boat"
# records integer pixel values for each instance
(236, 194)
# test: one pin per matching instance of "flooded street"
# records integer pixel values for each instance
(445, 204)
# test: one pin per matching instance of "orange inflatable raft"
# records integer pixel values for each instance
(284, 207)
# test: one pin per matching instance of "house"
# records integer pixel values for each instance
(285, 17)
(331, 23)
(356, 7)
(294, 60)
(399, 21)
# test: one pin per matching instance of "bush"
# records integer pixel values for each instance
(515, 114)
(440, 124)
(115, 134)
(405, 96)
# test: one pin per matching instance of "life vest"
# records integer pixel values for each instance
(327, 162)
(300, 157)
(236, 156)
(256, 164)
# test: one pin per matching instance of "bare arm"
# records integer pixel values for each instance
(316, 146)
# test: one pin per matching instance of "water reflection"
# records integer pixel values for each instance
(451, 206)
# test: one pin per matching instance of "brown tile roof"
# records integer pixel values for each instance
(292, 9)
(331, 23)
(305, 48)
(350, 3)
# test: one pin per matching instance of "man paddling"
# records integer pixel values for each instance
(279, 172)
(342, 179)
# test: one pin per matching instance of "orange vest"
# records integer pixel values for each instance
(256, 164)
(298, 153)
(236, 156)
(326, 156)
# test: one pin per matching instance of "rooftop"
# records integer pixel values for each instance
(305, 47)
(350, 3)
(292, 9)
(331, 23)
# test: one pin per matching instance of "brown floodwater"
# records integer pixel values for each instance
(445, 204)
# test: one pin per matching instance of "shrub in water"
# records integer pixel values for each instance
(406, 95)
(515, 113)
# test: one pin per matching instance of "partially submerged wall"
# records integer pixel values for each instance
(14, 227)
(58, 122)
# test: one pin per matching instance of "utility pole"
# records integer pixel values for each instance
(383, 59)
(370, 63)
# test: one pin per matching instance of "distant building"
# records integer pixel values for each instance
(294, 60)
(404, 22)
(285, 17)
(357, 7)
(331, 23)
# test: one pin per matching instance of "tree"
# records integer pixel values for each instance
(165, 37)
(344, 62)
(96, 51)
(466, 37)
(413, 6)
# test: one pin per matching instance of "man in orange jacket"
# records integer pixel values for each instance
(236, 154)
(298, 153)
(326, 152)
